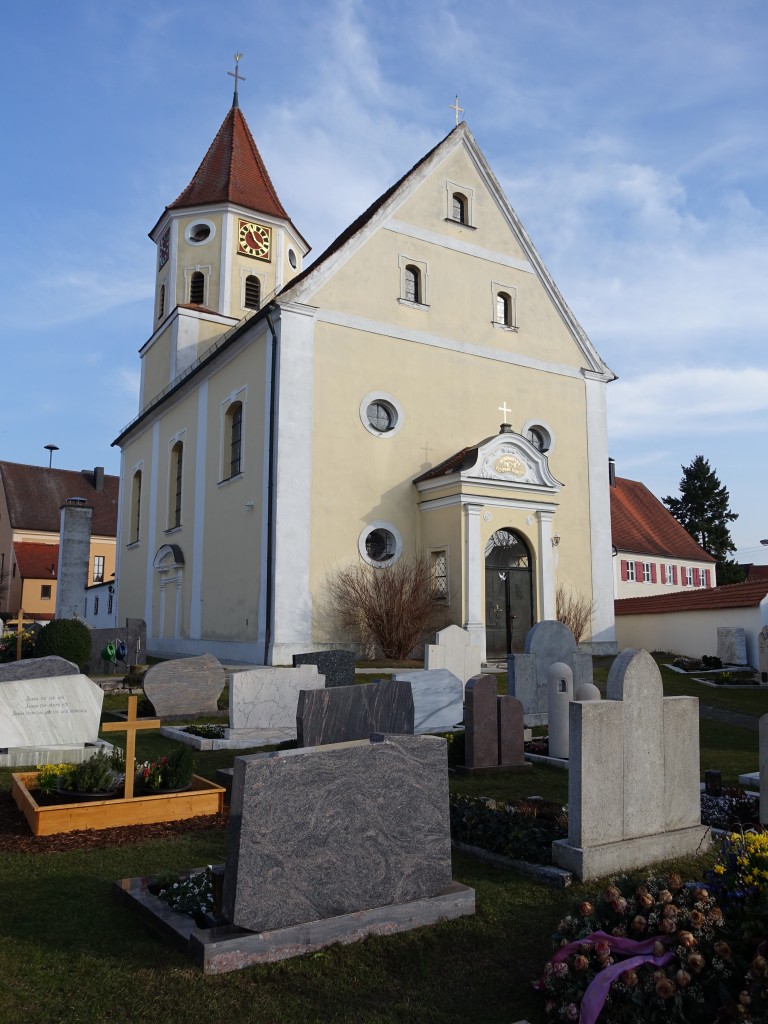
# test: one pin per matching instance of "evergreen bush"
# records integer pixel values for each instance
(66, 638)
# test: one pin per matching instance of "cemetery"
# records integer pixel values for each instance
(369, 868)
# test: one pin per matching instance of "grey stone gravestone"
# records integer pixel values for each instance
(438, 699)
(453, 650)
(316, 833)
(559, 697)
(493, 728)
(185, 687)
(267, 698)
(731, 645)
(338, 667)
(38, 668)
(644, 750)
(547, 642)
(345, 713)
(48, 721)
(762, 653)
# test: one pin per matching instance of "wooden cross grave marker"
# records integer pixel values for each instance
(130, 727)
(19, 631)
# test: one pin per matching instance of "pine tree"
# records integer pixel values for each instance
(703, 509)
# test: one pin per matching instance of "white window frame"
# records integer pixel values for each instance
(670, 575)
(380, 525)
(647, 575)
(236, 395)
(193, 224)
(511, 291)
(181, 436)
(631, 570)
(689, 576)
(421, 266)
(248, 272)
(544, 429)
(386, 399)
(206, 272)
(432, 554)
(135, 534)
(469, 195)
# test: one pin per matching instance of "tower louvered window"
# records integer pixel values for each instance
(197, 288)
(252, 292)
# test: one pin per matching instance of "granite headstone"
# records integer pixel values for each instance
(493, 727)
(38, 668)
(185, 687)
(267, 698)
(344, 713)
(732, 645)
(338, 667)
(319, 832)
(438, 699)
(547, 642)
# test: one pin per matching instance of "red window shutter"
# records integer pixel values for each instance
(663, 573)
(638, 572)
(696, 578)
(674, 574)
(653, 572)
(683, 576)
(707, 577)
(624, 573)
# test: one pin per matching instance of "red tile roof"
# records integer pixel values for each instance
(734, 595)
(756, 573)
(642, 525)
(35, 494)
(232, 171)
(36, 561)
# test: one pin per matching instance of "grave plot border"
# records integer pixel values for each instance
(203, 797)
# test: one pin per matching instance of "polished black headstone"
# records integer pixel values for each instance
(338, 667)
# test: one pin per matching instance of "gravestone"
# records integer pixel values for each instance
(49, 720)
(438, 699)
(316, 833)
(267, 698)
(633, 781)
(546, 643)
(453, 650)
(38, 668)
(185, 687)
(762, 654)
(493, 728)
(344, 713)
(731, 645)
(338, 667)
(559, 697)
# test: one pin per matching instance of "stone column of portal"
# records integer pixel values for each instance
(474, 566)
(546, 565)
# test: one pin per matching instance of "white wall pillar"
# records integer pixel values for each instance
(198, 520)
(474, 568)
(546, 576)
(603, 623)
(153, 528)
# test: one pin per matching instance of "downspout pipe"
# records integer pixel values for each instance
(269, 601)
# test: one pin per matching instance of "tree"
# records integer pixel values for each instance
(703, 509)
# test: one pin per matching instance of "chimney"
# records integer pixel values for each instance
(98, 478)
(612, 472)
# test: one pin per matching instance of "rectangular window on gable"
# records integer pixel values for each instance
(689, 577)
(45, 592)
(646, 572)
(439, 563)
(631, 572)
(98, 568)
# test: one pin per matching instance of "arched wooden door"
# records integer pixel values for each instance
(508, 593)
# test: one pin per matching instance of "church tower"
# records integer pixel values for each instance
(225, 246)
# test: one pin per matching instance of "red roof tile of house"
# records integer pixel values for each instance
(734, 595)
(36, 561)
(642, 525)
(756, 573)
(232, 171)
(35, 494)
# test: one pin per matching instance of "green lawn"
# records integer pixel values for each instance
(69, 953)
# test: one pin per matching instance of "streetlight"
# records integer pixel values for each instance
(50, 448)
(764, 542)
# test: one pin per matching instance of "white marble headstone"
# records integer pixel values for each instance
(455, 651)
(267, 698)
(762, 652)
(559, 694)
(50, 712)
(731, 645)
(438, 699)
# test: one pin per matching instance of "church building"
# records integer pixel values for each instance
(420, 389)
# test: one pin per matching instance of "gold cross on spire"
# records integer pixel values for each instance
(455, 107)
(237, 76)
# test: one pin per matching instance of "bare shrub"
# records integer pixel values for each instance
(574, 610)
(392, 606)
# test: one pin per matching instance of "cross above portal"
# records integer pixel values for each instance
(504, 411)
(455, 107)
(130, 727)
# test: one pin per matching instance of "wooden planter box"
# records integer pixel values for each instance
(203, 797)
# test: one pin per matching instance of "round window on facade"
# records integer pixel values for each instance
(380, 544)
(540, 437)
(199, 232)
(292, 258)
(381, 414)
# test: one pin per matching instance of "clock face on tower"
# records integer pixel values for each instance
(254, 240)
(162, 249)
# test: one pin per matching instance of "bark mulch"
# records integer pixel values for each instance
(15, 836)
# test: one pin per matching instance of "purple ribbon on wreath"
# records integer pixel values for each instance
(596, 994)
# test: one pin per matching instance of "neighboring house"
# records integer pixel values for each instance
(654, 554)
(686, 623)
(30, 501)
(100, 608)
(292, 421)
(37, 569)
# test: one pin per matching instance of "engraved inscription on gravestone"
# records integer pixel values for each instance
(731, 645)
(49, 712)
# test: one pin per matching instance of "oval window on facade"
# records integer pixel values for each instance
(380, 544)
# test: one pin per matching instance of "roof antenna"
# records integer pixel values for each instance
(237, 77)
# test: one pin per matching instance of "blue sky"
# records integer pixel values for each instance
(630, 138)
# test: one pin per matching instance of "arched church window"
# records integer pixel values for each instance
(135, 507)
(412, 284)
(459, 208)
(161, 308)
(197, 288)
(252, 292)
(503, 309)
(177, 459)
(235, 422)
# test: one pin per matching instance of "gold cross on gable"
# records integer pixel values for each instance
(504, 410)
(456, 108)
(130, 727)
(236, 73)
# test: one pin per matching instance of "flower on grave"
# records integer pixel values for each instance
(696, 963)
(586, 909)
(639, 924)
(759, 967)
(686, 939)
(683, 978)
(665, 896)
(630, 978)
(696, 919)
(581, 964)
(665, 989)
(619, 905)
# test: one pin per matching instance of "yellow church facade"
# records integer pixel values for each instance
(422, 389)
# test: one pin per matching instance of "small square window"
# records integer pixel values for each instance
(45, 592)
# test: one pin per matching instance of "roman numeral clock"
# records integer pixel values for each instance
(254, 240)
